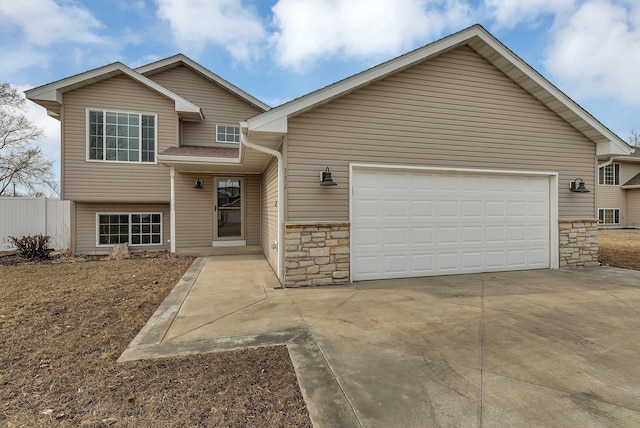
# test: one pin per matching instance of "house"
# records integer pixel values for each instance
(618, 191)
(453, 158)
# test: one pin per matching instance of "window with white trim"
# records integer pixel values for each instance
(121, 137)
(609, 215)
(609, 175)
(227, 134)
(135, 229)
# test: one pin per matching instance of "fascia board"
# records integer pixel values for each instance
(53, 91)
(626, 159)
(205, 72)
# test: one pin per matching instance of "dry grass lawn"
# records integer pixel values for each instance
(620, 248)
(63, 325)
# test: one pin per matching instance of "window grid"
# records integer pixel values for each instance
(227, 134)
(135, 229)
(121, 137)
(609, 175)
(609, 215)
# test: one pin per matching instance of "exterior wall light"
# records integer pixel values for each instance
(198, 184)
(577, 186)
(325, 178)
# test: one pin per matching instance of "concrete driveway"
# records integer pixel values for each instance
(532, 348)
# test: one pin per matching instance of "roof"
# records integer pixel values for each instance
(180, 59)
(50, 95)
(633, 183)
(487, 46)
(199, 151)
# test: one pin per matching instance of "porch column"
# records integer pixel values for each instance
(172, 209)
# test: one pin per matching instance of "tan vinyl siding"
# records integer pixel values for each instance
(633, 205)
(455, 110)
(195, 215)
(86, 225)
(269, 213)
(93, 181)
(252, 209)
(218, 105)
(615, 197)
(194, 211)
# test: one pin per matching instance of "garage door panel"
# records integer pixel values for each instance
(395, 236)
(421, 236)
(421, 210)
(396, 209)
(472, 235)
(422, 264)
(418, 223)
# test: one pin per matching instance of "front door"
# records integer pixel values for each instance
(228, 208)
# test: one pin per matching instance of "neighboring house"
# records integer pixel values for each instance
(618, 192)
(453, 158)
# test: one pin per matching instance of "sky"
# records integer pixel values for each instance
(277, 50)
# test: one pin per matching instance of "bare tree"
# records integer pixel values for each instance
(23, 168)
(634, 138)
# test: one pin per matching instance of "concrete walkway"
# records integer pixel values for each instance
(532, 348)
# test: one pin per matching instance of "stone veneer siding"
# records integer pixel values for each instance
(578, 243)
(316, 254)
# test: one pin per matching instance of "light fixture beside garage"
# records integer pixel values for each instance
(577, 186)
(325, 178)
(198, 184)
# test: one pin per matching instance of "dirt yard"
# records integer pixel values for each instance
(620, 248)
(63, 325)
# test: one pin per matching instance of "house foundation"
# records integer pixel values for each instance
(578, 243)
(316, 254)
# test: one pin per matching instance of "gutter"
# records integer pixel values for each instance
(280, 242)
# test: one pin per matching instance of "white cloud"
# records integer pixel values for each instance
(309, 30)
(510, 13)
(223, 22)
(44, 22)
(597, 52)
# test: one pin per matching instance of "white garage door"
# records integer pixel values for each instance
(408, 223)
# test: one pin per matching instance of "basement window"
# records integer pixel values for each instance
(134, 229)
(609, 215)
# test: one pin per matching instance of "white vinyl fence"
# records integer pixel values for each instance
(31, 216)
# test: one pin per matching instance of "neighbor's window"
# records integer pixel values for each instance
(227, 134)
(135, 229)
(609, 175)
(121, 137)
(609, 215)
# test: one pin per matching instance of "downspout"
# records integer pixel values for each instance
(172, 209)
(280, 243)
(607, 163)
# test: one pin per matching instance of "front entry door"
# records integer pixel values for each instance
(228, 208)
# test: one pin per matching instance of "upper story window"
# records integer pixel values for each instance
(227, 134)
(609, 175)
(121, 137)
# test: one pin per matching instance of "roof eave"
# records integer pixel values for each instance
(50, 96)
(487, 46)
(195, 160)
